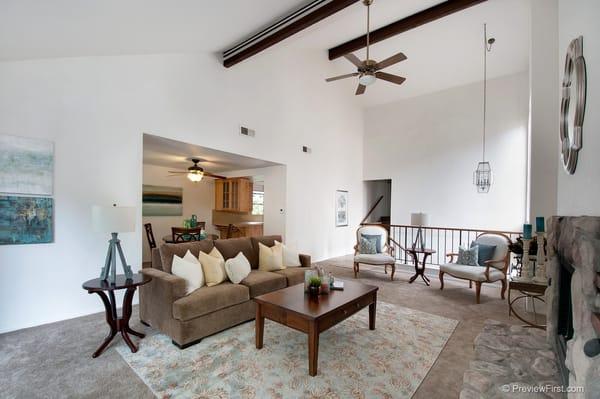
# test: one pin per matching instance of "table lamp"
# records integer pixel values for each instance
(419, 219)
(114, 219)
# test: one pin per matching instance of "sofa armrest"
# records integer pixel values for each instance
(305, 260)
(157, 297)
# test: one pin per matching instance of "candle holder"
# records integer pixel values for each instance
(526, 272)
(540, 267)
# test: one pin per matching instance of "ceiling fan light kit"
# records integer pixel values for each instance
(482, 177)
(195, 173)
(368, 71)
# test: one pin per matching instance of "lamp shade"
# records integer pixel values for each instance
(419, 219)
(113, 219)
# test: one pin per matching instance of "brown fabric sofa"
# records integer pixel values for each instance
(189, 318)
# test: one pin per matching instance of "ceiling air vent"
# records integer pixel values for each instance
(245, 131)
(306, 149)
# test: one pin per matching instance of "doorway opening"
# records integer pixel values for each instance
(378, 201)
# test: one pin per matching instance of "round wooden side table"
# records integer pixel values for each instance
(531, 290)
(116, 323)
(420, 271)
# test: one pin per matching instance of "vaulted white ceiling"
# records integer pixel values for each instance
(442, 54)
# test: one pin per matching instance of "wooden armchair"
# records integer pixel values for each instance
(494, 269)
(385, 258)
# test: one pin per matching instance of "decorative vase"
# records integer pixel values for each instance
(307, 275)
(313, 291)
(325, 286)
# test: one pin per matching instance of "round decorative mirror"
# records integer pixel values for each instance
(571, 117)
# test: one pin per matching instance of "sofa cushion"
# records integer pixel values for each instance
(230, 247)
(269, 241)
(260, 282)
(474, 273)
(168, 250)
(294, 275)
(209, 299)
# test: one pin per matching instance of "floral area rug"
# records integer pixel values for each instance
(354, 362)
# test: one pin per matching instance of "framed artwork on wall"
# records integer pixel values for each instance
(162, 201)
(26, 166)
(341, 208)
(26, 220)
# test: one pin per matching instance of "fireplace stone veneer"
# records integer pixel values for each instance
(574, 254)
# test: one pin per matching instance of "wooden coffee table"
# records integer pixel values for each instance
(293, 308)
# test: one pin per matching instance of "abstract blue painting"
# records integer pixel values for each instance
(26, 165)
(26, 220)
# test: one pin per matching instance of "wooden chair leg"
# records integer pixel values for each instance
(441, 276)
(503, 288)
(393, 271)
(477, 290)
(355, 269)
(470, 284)
(385, 269)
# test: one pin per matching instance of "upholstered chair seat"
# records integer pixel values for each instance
(375, 259)
(493, 270)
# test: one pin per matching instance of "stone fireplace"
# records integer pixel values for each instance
(573, 299)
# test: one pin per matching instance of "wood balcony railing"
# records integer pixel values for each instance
(443, 240)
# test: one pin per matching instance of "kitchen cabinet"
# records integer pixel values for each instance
(233, 195)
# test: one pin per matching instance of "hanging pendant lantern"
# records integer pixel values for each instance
(482, 177)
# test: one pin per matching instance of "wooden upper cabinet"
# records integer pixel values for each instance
(233, 195)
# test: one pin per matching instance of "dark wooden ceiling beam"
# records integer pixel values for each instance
(421, 18)
(310, 19)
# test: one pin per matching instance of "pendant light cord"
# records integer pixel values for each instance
(485, 50)
(368, 28)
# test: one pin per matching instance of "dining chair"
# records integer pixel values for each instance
(150, 236)
(231, 229)
(182, 234)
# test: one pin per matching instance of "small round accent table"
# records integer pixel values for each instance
(528, 289)
(420, 271)
(116, 323)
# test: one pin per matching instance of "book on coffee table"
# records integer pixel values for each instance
(338, 285)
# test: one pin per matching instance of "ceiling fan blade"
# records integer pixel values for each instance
(176, 171)
(394, 59)
(353, 59)
(390, 78)
(360, 89)
(214, 176)
(349, 75)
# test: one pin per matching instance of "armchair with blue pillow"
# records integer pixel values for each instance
(373, 248)
(486, 261)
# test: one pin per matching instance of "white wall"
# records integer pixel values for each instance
(198, 199)
(96, 109)
(430, 145)
(579, 194)
(543, 73)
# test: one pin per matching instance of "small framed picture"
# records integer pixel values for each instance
(341, 208)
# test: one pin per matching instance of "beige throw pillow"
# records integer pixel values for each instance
(189, 269)
(270, 259)
(237, 268)
(291, 258)
(213, 266)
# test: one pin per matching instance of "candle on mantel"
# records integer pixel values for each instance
(527, 230)
(539, 224)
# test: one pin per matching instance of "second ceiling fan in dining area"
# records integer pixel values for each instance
(368, 71)
(195, 172)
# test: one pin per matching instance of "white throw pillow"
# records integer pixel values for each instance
(270, 259)
(291, 258)
(237, 268)
(189, 269)
(213, 266)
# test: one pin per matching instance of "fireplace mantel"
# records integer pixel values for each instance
(574, 244)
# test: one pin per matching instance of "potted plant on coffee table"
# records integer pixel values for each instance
(314, 285)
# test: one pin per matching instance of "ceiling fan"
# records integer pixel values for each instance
(370, 70)
(195, 172)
